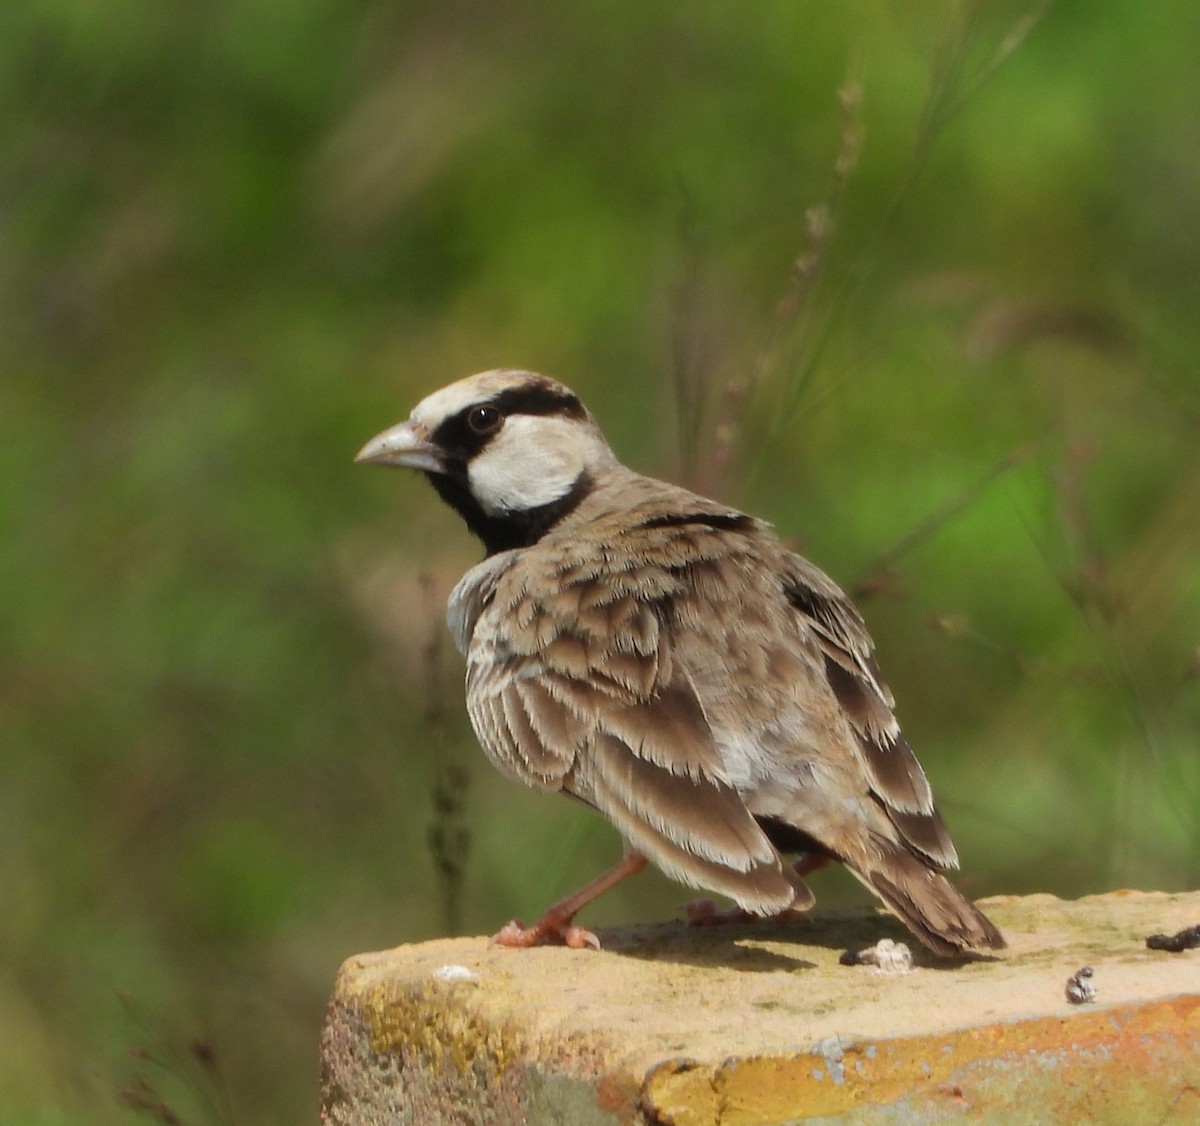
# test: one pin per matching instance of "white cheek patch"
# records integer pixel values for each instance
(533, 461)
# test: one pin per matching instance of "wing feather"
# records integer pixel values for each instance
(703, 817)
(576, 689)
(697, 831)
(893, 772)
(670, 731)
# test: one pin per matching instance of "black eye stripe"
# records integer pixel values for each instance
(539, 398)
(461, 441)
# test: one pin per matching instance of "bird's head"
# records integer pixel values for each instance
(513, 452)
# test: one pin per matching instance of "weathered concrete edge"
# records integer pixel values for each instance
(1100, 1065)
(421, 1058)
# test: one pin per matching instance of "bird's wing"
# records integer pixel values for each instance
(573, 685)
(893, 772)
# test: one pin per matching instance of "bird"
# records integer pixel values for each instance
(665, 660)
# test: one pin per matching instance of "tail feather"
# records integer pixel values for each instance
(928, 904)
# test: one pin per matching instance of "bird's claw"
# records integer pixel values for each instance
(516, 934)
(579, 938)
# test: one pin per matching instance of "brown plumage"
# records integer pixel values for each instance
(665, 660)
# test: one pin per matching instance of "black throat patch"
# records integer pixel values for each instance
(510, 529)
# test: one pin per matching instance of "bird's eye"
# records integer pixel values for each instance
(484, 420)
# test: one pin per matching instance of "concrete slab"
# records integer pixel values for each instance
(760, 1025)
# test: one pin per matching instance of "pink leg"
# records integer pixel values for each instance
(555, 923)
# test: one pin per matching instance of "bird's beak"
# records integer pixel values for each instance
(406, 445)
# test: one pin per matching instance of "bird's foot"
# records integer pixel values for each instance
(548, 931)
(555, 925)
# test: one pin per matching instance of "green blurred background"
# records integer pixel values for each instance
(917, 281)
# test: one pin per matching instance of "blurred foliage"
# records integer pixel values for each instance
(916, 281)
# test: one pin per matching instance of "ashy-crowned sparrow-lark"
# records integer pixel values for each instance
(666, 661)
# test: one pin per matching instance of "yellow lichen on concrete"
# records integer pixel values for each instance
(428, 1021)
